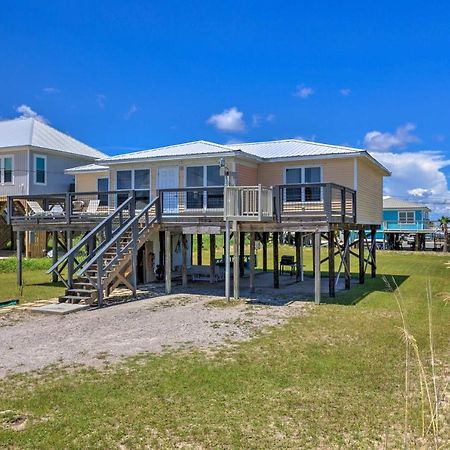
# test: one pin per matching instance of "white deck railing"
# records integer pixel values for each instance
(248, 203)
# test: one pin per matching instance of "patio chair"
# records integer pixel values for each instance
(92, 207)
(39, 212)
(287, 261)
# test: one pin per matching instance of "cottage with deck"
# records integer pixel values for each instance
(404, 218)
(33, 160)
(151, 203)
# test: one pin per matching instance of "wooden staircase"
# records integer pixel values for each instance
(111, 261)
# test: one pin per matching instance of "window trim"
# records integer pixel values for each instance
(406, 221)
(2, 170)
(302, 176)
(44, 157)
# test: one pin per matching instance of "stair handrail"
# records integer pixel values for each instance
(72, 252)
(126, 227)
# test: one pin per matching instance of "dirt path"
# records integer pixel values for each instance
(93, 337)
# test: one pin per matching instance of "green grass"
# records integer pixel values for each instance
(37, 283)
(330, 379)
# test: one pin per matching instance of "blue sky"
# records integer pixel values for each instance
(128, 75)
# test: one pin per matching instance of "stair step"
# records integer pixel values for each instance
(88, 292)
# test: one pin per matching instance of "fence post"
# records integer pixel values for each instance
(68, 206)
(343, 205)
(327, 202)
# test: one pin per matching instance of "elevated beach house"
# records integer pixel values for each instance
(149, 204)
(33, 160)
(403, 218)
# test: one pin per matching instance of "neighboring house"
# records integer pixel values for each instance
(404, 218)
(34, 156)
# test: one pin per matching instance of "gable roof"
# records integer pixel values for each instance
(32, 132)
(396, 203)
(261, 151)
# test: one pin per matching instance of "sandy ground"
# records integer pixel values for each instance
(92, 337)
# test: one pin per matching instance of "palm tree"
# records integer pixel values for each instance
(444, 222)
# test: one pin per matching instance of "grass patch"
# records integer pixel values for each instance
(331, 379)
(9, 265)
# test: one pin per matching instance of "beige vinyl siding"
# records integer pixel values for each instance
(247, 174)
(334, 170)
(87, 182)
(369, 197)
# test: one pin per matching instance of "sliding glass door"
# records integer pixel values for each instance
(203, 176)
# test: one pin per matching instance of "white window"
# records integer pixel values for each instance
(303, 175)
(7, 169)
(40, 169)
(138, 180)
(406, 217)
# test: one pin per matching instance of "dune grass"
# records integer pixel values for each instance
(333, 378)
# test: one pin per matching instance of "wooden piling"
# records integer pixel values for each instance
(241, 253)
(298, 262)
(373, 246)
(19, 252)
(331, 267)
(252, 261)
(236, 263)
(276, 265)
(212, 258)
(264, 250)
(317, 287)
(168, 262)
(199, 249)
(54, 254)
(361, 235)
(184, 275)
(346, 255)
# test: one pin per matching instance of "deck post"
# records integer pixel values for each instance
(227, 259)
(416, 242)
(162, 259)
(70, 259)
(361, 236)
(184, 275)
(264, 250)
(331, 271)
(199, 249)
(276, 266)
(212, 258)
(373, 246)
(252, 261)
(302, 265)
(54, 254)
(298, 262)
(19, 251)
(168, 261)
(241, 253)
(236, 263)
(346, 254)
(316, 247)
(313, 247)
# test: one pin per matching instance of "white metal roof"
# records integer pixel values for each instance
(171, 151)
(289, 148)
(396, 203)
(262, 151)
(32, 132)
(86, 169)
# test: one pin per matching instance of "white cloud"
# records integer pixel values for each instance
(345, 92)
(418, 176)
(131, 111)
(383, 142)
(51, 90)
(303, 91)
(26, 112)
(257, 119)
(101, 100)
(228, 120)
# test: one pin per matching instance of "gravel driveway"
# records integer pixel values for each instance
(30, 341)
